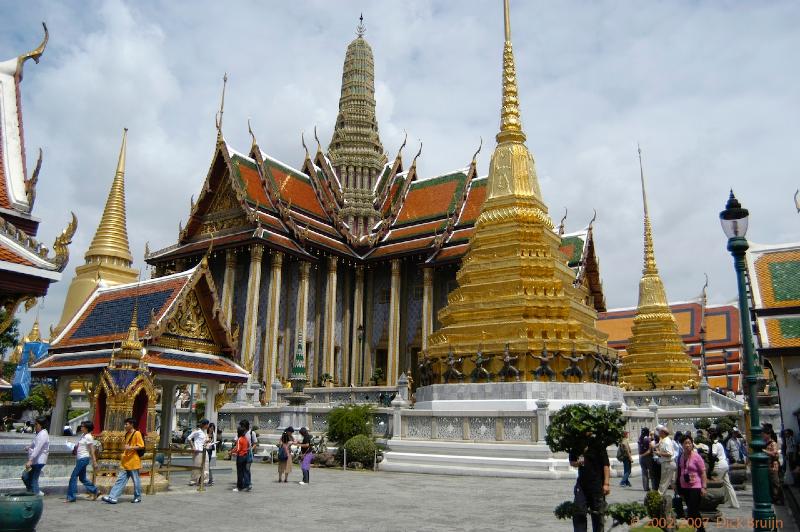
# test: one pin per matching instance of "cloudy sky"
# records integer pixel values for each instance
(711, 90)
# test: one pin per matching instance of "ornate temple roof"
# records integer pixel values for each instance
(178, 317)
(26, 269)
(775, 277)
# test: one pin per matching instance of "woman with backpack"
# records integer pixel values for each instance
(285, 454)
(306, 455)
(241, 450)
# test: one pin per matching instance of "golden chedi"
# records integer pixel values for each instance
(108, 258)
(656, 357)
(514, 286)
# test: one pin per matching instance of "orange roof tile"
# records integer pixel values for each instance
(9, 255)
(475, 198)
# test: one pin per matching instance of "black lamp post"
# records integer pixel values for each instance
(734, 223)
(360, 331)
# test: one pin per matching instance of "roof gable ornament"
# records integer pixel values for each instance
(34, 54)
(30, 183)
(475, 155)
(361, 29)
(563, 225)
(218, 118)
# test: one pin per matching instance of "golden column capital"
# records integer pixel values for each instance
(277, 260)
(332, 263)
(230, 257)
(395, 267)
(256, 252)
(427, 275)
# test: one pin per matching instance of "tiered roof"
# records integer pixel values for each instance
(179, 320)
(775, 277)
(257, 198)
(26, 270)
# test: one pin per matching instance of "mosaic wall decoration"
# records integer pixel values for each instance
(450, 428)
(517, 428)
(482, 428)
(418, 427)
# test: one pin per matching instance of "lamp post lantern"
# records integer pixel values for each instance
(734, 221)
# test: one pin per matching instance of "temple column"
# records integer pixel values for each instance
(369, 355)
(270, 364)
(228, 284)
(302, 308)
(58, 418)
(427, 306)
(250, 339)
(329, 343)
(212, 389)
(358, 328)
(344, 353)
(167, 414)
(394, 326)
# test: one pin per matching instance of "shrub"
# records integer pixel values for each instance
(578, 426)
(654, 504)
(726, 423)
(345, 422)
(626, 513)
(361, 449)
(566, 510)
(702, 423)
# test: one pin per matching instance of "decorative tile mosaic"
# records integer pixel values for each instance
(450, 428)
(268, 421)
(517, 428)
(319, 422)
(482, 428)
(380, 425)
(418, 427)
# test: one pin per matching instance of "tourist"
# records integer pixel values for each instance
(38, 451)
(129, 465)
(197, 440)
(774, 455)
(655, 477)
(737, 452)
(722, 468)
(594, 474)
(646, 458)
(624, 456)
(211, 447)
(240, 451)
(692, 481)
(285, 454)
(84, 455)
(252, 439)
(789, 450)
(666, 456)
(306, 455)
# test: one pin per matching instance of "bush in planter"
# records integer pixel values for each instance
(360, 449)
(578, 426)
(702, 423)
(344, 422)
(654, 504)
(621, 513)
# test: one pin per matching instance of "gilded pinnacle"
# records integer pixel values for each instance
(650, 267)
(110, 243)
(510, 121)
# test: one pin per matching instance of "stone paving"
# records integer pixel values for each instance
(347, 501)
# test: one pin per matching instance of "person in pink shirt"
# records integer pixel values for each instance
(692, 481)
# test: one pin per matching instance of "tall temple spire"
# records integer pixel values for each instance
(355, 149)
(514, 286)
(512, 173)
(656, 355)
(510, 122)
(109, 258)
(111, 238)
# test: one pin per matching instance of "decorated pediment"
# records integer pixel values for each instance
(188, 329)
(224, 212)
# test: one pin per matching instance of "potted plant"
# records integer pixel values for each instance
(377, 376)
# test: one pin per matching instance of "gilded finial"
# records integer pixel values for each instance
(563, 225)
(403, 145)
(303, 142)
(30, 184)
(319, 144)
(63, 240)
(34, 54)
(475, 155)
(253, 142)
(361, 29)
(111, 238)
(649, 253)
(221, 107)
(510, 122)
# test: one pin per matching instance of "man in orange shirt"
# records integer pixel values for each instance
(129, 465)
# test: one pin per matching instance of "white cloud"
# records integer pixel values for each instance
(710, 91)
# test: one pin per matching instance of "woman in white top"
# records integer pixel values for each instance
(84, 455)
(211, 446)
(721, 469)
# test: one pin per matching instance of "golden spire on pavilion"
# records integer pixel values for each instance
(512, 174)
(515, 289)
(656, 356)
(111, 239)
(130, 352)
(108, 259)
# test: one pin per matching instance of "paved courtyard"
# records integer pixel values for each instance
(346, 501)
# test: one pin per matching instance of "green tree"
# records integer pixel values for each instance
(10, 337)
(578, 426)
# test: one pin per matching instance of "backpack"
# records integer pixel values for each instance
(620, 453)
(282, 455)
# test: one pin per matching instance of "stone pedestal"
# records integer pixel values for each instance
(542, 418)
(295, 416)
(273, 395)
(247, 394)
